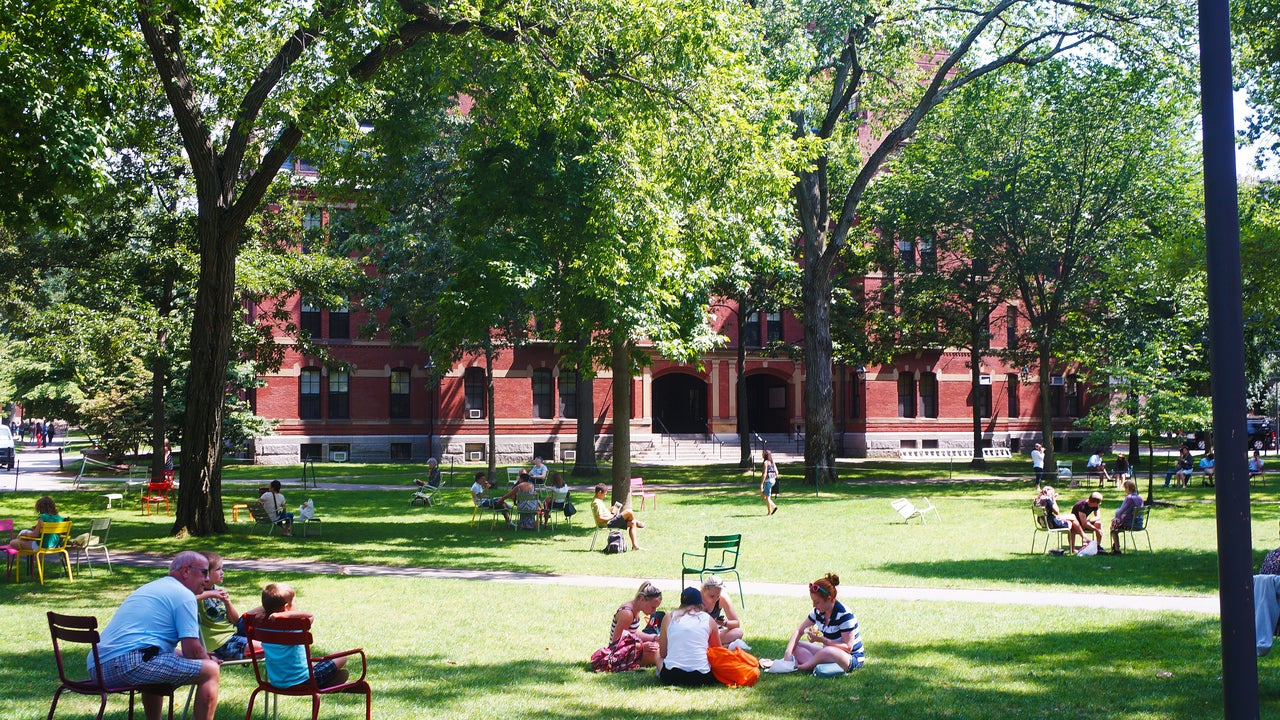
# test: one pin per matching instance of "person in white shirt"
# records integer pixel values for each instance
(273, 503)
(686, 635)
(1037, 463)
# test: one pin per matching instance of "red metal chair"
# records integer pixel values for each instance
(295, 632)
(156, 493)
(84, 629)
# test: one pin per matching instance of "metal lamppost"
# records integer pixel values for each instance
(431, 407)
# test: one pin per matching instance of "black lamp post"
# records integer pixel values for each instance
(431, 408)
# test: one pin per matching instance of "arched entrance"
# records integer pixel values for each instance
(680, 403)
(767, 404)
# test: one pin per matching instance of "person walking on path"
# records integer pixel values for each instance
(1037, 463)
(768, 479)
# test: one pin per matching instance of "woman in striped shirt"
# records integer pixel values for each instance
(831, 630)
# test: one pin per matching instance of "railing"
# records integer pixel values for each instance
(952, 453)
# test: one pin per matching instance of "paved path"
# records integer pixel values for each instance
(1149, 603)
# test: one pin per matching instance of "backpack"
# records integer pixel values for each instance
(616, 543)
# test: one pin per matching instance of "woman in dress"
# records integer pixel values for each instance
(831, 631)
(768, 478)
(717, 605)
(686, 635)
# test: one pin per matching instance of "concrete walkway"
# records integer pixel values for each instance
(1147, 603)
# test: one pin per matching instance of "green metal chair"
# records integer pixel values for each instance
(719, 556)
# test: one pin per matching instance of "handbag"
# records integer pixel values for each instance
(621, 656)
(735, 668)
(569, 510)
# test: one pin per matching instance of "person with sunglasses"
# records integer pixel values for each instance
(831, 630)
(138, 646)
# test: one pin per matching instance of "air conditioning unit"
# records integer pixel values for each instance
(1057, 380)
(569, 455)
(475, 414)
(984, 379)
(476, 456)
(337, 456)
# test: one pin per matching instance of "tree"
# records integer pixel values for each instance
(1067, 166)
(1257, 53)
(871, 71)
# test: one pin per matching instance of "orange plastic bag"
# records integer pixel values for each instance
(735, 668)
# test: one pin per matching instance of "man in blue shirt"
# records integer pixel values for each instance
(139, 645)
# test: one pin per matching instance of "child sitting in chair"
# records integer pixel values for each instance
(287, 664)
(220, 626)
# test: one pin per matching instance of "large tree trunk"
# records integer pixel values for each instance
(1046, 412)
(979, 460)
(490, 412)
(819, 429)
(159, 375)
(199, 510)
(584, 461)
(745, 459)
(621, 421)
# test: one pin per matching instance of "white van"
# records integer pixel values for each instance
(6, 447)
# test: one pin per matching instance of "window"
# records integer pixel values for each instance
(928, 256)
(312, 223)
(1011, 327)
(1013, 387)
(473, 388)
(309, 320)
(984, 400)
(401, 452)
(980, 267)
(340, 324)
(907, 254)
(906, 396)
(773, 327)
(310, 451)
(339, 395)
(929, 395)
(309, 394)
(1072, 393)
(855, 394)
(399, 408)
(751, 336)
(543, 407)
(1055, 401)
(569, 393)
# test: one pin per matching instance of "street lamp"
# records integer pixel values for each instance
(430, 367)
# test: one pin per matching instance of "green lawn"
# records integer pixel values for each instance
(468, 649)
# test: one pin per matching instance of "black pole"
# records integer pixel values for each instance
(1226, 364)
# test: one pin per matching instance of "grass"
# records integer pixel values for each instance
(467, 649)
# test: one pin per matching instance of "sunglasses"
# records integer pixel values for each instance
(816, 588)
(203, 571)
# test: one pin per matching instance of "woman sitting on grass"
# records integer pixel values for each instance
(832, 631)
(631, 645)
(717, 605)
(686, 635)
(1054, 517)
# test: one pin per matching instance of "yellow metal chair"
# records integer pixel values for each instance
(52, 541)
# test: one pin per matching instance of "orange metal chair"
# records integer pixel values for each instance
(83, 629)
(295, 632)
(156, 493)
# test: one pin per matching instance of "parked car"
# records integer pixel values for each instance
(1261, 433)
(6, 447)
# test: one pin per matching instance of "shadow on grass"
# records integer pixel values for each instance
(1152, 669)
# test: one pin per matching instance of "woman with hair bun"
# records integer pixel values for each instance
(831, 630)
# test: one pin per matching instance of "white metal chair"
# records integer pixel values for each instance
(1042, 526)
(94, 540)
(909, 510)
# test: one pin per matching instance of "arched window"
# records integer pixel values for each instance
(906, 395)
(569, 393)
(928, 395)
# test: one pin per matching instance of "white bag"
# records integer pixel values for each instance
(782, 665)
(307, 511)
(1090, 548)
